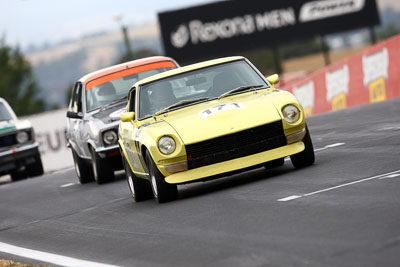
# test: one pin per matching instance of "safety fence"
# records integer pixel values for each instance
(369, 76)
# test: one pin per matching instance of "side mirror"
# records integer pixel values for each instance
(127, 116)
(273, 79)
(74, 115)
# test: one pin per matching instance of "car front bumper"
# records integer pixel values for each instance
(234, 164)
(107, 152)
(15, 157)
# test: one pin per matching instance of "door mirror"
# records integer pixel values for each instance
(127, 116)
(74, 115)
(273, 79)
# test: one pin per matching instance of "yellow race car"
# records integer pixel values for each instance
(207, 120)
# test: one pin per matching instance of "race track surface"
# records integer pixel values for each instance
(343, 211)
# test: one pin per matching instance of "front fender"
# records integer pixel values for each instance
(283, 98)
(148, 140)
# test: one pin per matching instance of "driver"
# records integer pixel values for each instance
(105, 93)
(161, 96)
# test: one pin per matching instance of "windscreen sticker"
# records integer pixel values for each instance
(210, 111)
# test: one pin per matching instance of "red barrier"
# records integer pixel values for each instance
(369, 76)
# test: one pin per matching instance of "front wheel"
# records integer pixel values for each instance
(140, 188)
(162, 190)
(83, 170)
(102, 169)
(18, 175)
(306, 157)
(36, 168)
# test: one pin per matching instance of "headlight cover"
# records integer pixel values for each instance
(166, 145)
(110, 137)
(291, 113)
(22, 137)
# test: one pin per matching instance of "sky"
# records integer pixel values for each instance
(34, 22)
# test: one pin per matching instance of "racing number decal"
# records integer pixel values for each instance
(210, 111)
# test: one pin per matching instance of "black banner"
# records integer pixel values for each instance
(230, 26)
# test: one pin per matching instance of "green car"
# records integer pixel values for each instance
(19, 152)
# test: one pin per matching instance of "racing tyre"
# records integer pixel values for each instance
(140, 188)
(162, 190)
(18, 175)
(306, 157)
(83, 170)
(102, 169)
(36, 168)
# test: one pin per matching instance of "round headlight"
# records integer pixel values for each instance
(291, 113)
(110, 137)
(22, 137)
(166, 145)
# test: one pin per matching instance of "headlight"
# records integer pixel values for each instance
(291, 113)
(166, 145)
(110, 137)
(22, 137)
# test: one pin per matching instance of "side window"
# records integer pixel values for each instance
(132, 100)
(76, 99)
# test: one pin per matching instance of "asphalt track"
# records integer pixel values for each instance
(343, 211)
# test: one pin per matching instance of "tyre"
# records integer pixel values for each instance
(163, 191)
(274, 163)
(36, 168)
(140, 188)
(18, 175)
(102, 169)
(306, 157)
(83, 170)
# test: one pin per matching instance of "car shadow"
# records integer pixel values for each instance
(248, 177)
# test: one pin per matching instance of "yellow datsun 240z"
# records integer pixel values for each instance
(204, 120)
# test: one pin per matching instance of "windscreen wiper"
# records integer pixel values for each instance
(179, 104)
(241, 88)
(114, 102)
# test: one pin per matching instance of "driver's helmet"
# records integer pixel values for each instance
(161, 96)
(105, 93)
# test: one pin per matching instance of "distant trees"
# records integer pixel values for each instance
(17, 84)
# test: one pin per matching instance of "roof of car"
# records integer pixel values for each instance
(188, 68)
(134, 63)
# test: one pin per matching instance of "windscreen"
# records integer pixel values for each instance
(210, 82)
(106, 89)
(4, 113)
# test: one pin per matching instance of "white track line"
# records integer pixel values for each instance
(48, 257)
(390, 176)
(67, 185)
(380, 176)
(322, 148)
(329, 146)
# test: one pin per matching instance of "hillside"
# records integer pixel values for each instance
(57, 67)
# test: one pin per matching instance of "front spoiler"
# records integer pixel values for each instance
(234, 164)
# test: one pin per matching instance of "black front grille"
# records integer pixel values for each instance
(240, 144)
(8, 140)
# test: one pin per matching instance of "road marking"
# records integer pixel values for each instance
(322, 148)
(329, 146)
(288, 198)
(385, 175)
(49, 257)
(67, 185)
(63, 170)
(390, 176)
